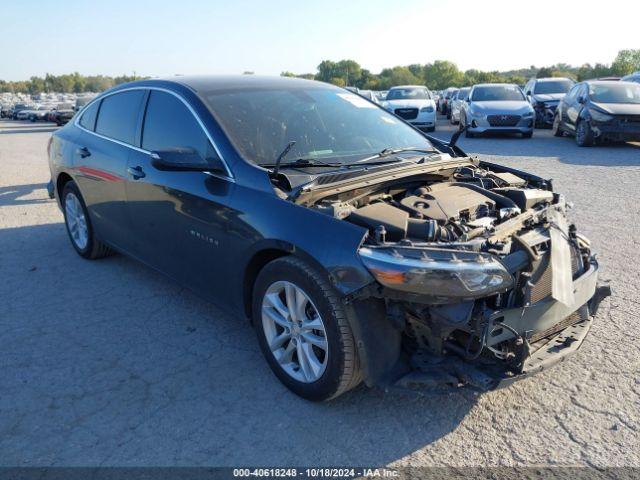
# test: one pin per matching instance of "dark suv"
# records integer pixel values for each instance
(545, 94)
(361, 248)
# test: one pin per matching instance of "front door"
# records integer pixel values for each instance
(179, 218)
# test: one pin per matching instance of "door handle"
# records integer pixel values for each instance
(136, 172)
(83, 152)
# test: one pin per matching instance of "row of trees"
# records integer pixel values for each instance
(68, 83)
(437, 75)
(442, 73)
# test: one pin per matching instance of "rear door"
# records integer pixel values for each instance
(108, 133)
(180, 218)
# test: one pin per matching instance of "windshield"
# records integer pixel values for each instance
(497, 93)
(325, 123)
(553, 86)
(615, 92)
(408, 94)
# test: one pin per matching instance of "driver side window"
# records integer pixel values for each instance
(169, 125)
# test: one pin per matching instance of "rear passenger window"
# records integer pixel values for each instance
(118, 116)
(169, 124)
(88, 118)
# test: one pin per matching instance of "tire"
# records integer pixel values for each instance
(584, 134)
(339, 370)
(527, 135)
(88, 246)
(556, 129)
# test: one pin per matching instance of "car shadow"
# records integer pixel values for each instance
(14, 194)
(113, 364)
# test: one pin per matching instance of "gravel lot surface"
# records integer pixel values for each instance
(109, 363)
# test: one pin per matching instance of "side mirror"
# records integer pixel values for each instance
(581, 99)
(180, 159)
(528, 93)
(468, 99)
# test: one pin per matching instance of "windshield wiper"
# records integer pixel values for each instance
(301, 162)
(393, 151)
(276, 166)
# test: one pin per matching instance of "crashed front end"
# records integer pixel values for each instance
(479, 270)
(545, 112)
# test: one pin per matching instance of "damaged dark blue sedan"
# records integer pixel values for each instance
(360, 248)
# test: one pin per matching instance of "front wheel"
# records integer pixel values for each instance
(78, 223)
(556, 129)
(303, 330)
(584, 134)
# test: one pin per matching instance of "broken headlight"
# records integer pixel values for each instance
(437, 272)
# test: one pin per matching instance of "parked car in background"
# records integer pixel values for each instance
(26, 113)
(62, 114)
(497, 107)
(414, 104)
(596, 110)
(369, 95)
(382, 95)
(634, 77)
(456, 103)
(39, 114)
(82, 100)
(360, 249)
(545, 94)
(5, 110)
(19, 107)
(445, 98)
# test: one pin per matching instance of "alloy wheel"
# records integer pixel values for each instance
(76, 221)
(294, 332)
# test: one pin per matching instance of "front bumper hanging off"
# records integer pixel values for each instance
(554, 331)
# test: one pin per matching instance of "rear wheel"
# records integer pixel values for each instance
(76, 219)
(303, 330)
(527, 135)
(584, 134)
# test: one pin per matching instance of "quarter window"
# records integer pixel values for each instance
(118, 116)
(169, 124)
(88, 119)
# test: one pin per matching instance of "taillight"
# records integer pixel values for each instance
(49, 146)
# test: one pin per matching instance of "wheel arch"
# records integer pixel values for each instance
(62, 179)
(265, 254)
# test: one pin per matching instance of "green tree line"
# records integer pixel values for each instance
(442, 73)
(67, 83)
(437, 75)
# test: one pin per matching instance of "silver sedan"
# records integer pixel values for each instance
(497, 107)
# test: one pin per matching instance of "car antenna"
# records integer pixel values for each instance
(286, 150)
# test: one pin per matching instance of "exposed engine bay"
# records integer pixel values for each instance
(474, 265)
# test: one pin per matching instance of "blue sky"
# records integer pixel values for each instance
(165, 37)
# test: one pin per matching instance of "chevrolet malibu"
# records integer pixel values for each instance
(497, 108)
(361, 249)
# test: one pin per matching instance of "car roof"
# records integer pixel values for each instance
(407, 86)
(608, 82)
(551, 79)
(494, 84)
(212, 83)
